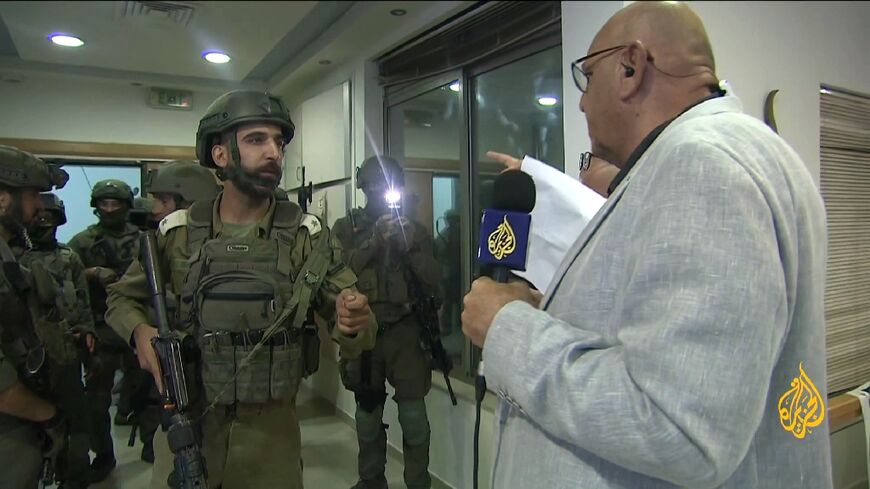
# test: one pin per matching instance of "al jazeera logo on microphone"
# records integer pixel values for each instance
(503, 238)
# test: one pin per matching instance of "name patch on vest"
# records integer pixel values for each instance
(238, 248)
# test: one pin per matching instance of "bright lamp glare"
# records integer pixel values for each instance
(216, 57)
(454, 86)
(66, 40)
(393, 197)
(547, 101)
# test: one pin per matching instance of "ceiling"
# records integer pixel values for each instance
(273, 45)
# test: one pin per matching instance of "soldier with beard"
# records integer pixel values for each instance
(67, 390)
(244, 269)
(107, 248)
(32, 428)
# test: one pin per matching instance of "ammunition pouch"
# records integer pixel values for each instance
(273, 373)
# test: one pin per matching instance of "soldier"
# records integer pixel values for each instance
(389, 253)
(175, 185)
(245, 270)
(142, 214)
(107, 248)
(32, 428)
(178, 184)
(66, 381)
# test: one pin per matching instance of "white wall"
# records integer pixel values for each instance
(82, 110)
(793, 47)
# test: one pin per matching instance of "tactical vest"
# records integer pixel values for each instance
(112, 252)
(34, 330)
(57, 263)
(247, 306)
(385, 280)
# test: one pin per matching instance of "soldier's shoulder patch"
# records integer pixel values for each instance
(312, 224)
(172, 221)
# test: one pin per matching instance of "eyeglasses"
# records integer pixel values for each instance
(585, 162)
(581, 78)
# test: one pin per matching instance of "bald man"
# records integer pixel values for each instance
(682, 341)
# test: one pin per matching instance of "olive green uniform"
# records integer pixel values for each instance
(384, 273)
(19, 439)
(100, 247)
(246, 444)
(32, 340)
(66, 379)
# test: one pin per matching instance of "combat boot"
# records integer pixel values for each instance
(101, 466)
(376, 483)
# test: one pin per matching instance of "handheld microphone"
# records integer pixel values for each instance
(503, 245)
(504, 228)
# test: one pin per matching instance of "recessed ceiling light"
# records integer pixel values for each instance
(216, 57)
(548, 101)
(454, 86)
(427, 124)
(324, 62)
(66, 40)
(398, 12)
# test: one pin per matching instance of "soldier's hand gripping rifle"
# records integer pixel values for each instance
(189, 464)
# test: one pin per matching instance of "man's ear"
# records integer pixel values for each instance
(632, 66)
(221, 155)
(5, 201)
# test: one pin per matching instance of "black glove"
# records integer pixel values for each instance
(55, 430)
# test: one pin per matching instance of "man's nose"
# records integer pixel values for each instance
(274, 150)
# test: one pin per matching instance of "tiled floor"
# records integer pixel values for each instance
(328, 451)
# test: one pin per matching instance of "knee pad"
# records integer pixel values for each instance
(415, 424)
(369, 424)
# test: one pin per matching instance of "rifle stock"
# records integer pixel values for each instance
(189, 464)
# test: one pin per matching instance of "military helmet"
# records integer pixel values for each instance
(20, 169)
(380, 169)
(184, 178)
(53, 204)
(143, 205)
(112, 189)
(239, 107)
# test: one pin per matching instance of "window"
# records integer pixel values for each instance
(76, 194)
(424, 133)
(507, 98)
(845, 187)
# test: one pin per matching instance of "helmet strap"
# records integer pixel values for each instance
(235, 156)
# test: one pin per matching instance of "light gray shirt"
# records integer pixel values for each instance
(682, 341)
